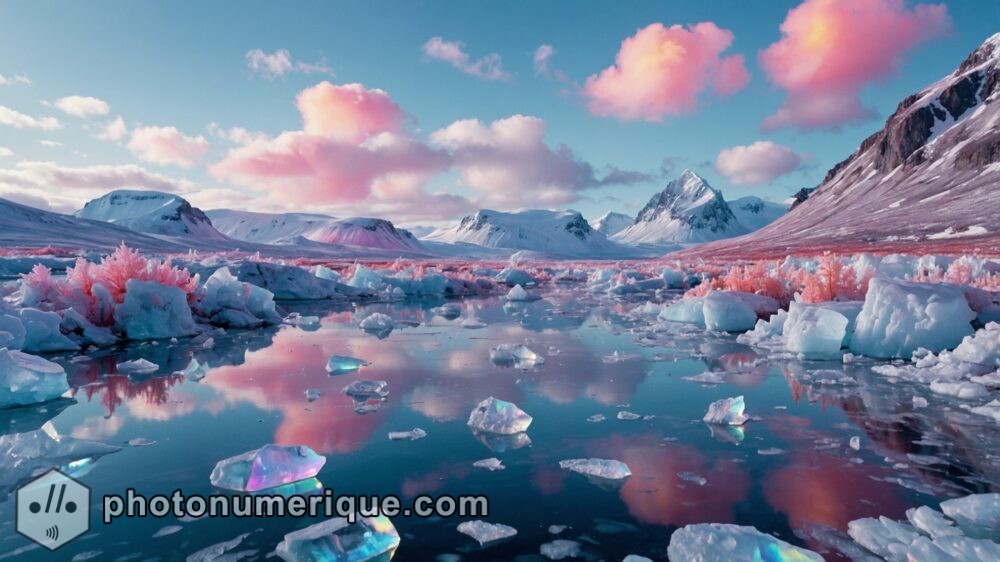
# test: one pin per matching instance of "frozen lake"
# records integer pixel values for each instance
(791, 471)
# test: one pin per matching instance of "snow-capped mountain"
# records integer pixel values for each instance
(151, 212)
(30, 227)
(612, 223)
(929, 176)
(553, 233)
(293, 228)
(753, 212)
(689, 210)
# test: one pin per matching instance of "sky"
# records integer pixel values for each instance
(421, 112)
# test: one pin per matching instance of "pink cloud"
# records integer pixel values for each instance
(829, 50)
(82, 106)
(510, 165)
(663, 71)
(758, 163)
(167, 145)
(349, 112)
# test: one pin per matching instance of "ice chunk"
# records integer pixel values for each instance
(338, 540)
(728, 411)
(502, 443)
(559, 549)
(153, 311)
(449, 311)
(498, 416)
(932, 522)
(364, 389)
(492, 464)
(685, 310)
(29, 379)
(718, 541)
(607, 469)
(25, 454)
(724, 312)
(978, 515)
(229, 302)
(883, 536)
(219, 552)
(83, 330)
(340, 364)
(765, 330)
(514, 276)
(289, 281)
(137, 366)
(814, 331)
(378, 324)
(324, 272)
(412, 435)
(195, 371)
(596, 418)
(11, 332)
(990, 410)
(41, 332)
(518, 294)
(312, 394)
(899, 316)
(770, 451)
(693, 478)
(855, 443)
(267, 467)
(963, 390)
(518, 355)
(309, 323)
(636, 558)
(625, 415)
(485, 533)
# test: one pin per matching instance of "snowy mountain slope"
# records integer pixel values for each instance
(31, 227)
(553, 233)
(612, 223)
(930, 175)
(754, 213)
(291, 228)
(688, 210)
(151, 212)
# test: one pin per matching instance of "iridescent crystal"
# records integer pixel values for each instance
(340, 364)
(497, 416)
(337, 540)
(728, 411)
(267, 467)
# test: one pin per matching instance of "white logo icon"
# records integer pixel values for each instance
(53, 509)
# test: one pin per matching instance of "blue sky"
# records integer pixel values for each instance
(184, 65)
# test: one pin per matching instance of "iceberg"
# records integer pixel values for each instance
(23, 455)
(366, 389)
(718, 541)
(42, 334)
(518, 294)
(267, 467)
(340, 364)
(485, 533)
(338, 540)
(137, 366)
(899, 317)
(685, 310)
(599, 468)
(814, 331)
(449, 311)
(497, 416)
(516, 355)
(412, 435)
(725, 312)
(153, 311)
(492, 464)
(728, 411)
(29, 379)
(378, 324)
(231, 303)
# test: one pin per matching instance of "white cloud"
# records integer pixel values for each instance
(167, 145)
(488, 67)
(114, 130)
(19, 120)
(15, 79)
(82, 106)
(280, 62)
(759, 163)
(5, 152)
(50, 143)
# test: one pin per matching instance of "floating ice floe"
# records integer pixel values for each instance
(727, 411)
(195, 371)
(899, 317)
(340, 364)
(41, 332)
(231, 303)
(726, 312)
(596, 418)
(365, 389)
(693, 478)
(498, 416)
(617, 357)
(559, 549)
(492, 464)
(220, 552)
(312, 394)
(267, 467)
(978, 515)
(338, 540)
(518, 294)
(685, 310)
(607, 469)
(625, 415)
(412, 435)
(448, 311)
(814, 332)
(29, 379)
(717, 541)
(485, 533)
(556, 529)
(137, 366)
(517, 355)
(23, 455)
(770, 451)
(378, 324)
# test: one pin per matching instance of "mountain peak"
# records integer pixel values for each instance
(152, 212)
